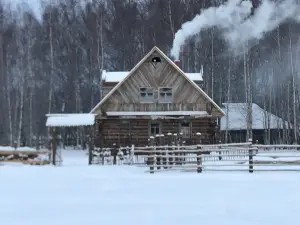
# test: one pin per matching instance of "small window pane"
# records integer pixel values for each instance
(165, 95)
(154, 128)
(185, 124)
(185, 129)
(146, 94)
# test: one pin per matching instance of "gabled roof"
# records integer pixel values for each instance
(171, 63)
(118, 76)
(237, 118)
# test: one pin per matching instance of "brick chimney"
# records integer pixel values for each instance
(177, 62)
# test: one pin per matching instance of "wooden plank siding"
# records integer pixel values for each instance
(107, 87)
(158, 107)
(185, 95)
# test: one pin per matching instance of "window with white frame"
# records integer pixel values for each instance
(185, 128)
(165, 95)
(146, 94)
(154, 128)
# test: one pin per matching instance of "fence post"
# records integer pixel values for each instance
(176, 158)
(158, 157)
(167, 157)
(250, 157)
(170, 148)
(114, 153)
(132, 155)
(155, 161)
(151, 162)
(152, 155)
(220, 152)
(199, 159)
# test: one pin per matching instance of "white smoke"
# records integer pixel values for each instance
(33, 6)
(36, 7)
(234, 21)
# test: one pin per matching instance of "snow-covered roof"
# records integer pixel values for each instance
(118, 76)
(70, 120)
(159, 113)
(237, 117)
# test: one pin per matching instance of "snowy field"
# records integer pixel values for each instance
(78, 194)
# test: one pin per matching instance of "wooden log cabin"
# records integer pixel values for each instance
(155, 98)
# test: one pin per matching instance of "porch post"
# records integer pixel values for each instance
(91, 143)
(54, 146)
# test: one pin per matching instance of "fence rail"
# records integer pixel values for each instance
(201, 158)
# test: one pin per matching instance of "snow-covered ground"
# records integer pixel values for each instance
(78, 194)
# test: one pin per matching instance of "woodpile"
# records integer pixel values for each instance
(25, 157)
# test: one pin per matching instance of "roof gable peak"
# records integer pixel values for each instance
(156, 49)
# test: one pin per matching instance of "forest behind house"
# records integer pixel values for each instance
(53, 63)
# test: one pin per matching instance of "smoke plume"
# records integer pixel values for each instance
(235, 22)
(36, 7)
(33, 6)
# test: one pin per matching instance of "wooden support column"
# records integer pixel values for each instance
(54, 146)
(91, 143)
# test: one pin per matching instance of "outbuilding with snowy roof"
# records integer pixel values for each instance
(266, 127)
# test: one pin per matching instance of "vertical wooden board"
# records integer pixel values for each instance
(140, 132)
(170, 126)
(204, 126)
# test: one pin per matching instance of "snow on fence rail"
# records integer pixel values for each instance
(277, 148)
(220, 157)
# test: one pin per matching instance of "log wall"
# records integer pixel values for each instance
(125, 132)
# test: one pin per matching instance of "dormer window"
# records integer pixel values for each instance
(146, 94)
(165, 95)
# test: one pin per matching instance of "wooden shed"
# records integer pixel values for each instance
(155, 99)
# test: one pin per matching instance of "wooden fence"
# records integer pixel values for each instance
(201, 158)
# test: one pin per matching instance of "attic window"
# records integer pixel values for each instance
(156, 59)
(146, 94)
(165, 95)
